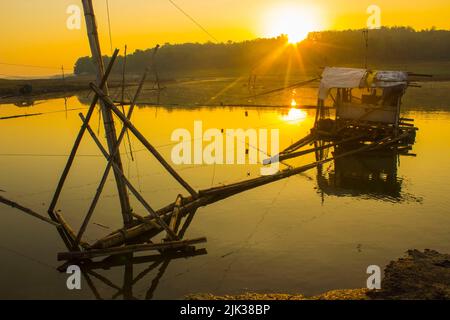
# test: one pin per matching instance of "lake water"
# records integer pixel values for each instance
(306, 234)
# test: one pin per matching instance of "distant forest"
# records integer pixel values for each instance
(263, 56)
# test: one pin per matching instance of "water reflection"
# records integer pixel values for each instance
(362, 175)
(156, 266)
(270, 217)
(366, 175)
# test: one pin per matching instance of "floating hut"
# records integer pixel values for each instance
(362, 100)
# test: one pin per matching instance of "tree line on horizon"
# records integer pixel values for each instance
(275, 55)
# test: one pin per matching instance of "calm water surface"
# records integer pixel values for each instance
(306, 234)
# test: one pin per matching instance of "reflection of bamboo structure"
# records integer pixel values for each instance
(90, 272)
(364, 174)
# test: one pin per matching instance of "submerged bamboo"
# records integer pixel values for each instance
(77, 255)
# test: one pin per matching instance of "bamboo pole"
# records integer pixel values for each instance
(186, 223)
(71, 233)
(307, 151)
(110, 159)
(111, 261)
(143, 140)
(92, 286)
(299, 144)
(108, 120)
(140, 276)
(102, 279)
(78, 139)
(206, 197)
(133, 190)
(153, 103)
(79, 255)
(123, 96)
(21, 116)
(295, 85)
(65, 234)
(123, 235)
(176, 215)
(250, 184)
(28, 211)
(317, 116)
(128, 277)
(155, 69)
(155, 281)
(213, 195)
(123, 73)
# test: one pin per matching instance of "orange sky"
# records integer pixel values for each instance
(35, 32)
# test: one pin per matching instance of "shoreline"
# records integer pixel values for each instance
(419, 275)
(12, 90)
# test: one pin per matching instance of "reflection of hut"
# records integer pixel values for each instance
(363, 99)
(362, 174)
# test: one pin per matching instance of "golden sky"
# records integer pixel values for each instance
(35, 33)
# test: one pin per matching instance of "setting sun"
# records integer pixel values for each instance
(294, 21)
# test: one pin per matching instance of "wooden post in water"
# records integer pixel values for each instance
(108, 119)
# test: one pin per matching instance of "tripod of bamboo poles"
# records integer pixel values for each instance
(74, 240)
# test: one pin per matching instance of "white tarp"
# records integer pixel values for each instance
(333, 77)
(336, 77)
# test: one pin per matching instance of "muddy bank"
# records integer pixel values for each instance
(350, 294)
(42, 86)
(420, 275)
(15, 91)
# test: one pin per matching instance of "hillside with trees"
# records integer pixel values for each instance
(387, 46)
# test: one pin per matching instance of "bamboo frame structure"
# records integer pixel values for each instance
(138, 230)
(74, 239)
(168, 219)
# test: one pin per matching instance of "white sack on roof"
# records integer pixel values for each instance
(391, 76)
(385, 79)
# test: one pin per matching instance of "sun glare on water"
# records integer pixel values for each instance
(294, 21)
(294, 115)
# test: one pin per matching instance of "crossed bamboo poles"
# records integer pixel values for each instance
(74, 241)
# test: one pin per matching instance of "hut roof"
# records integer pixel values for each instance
(336, 77)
